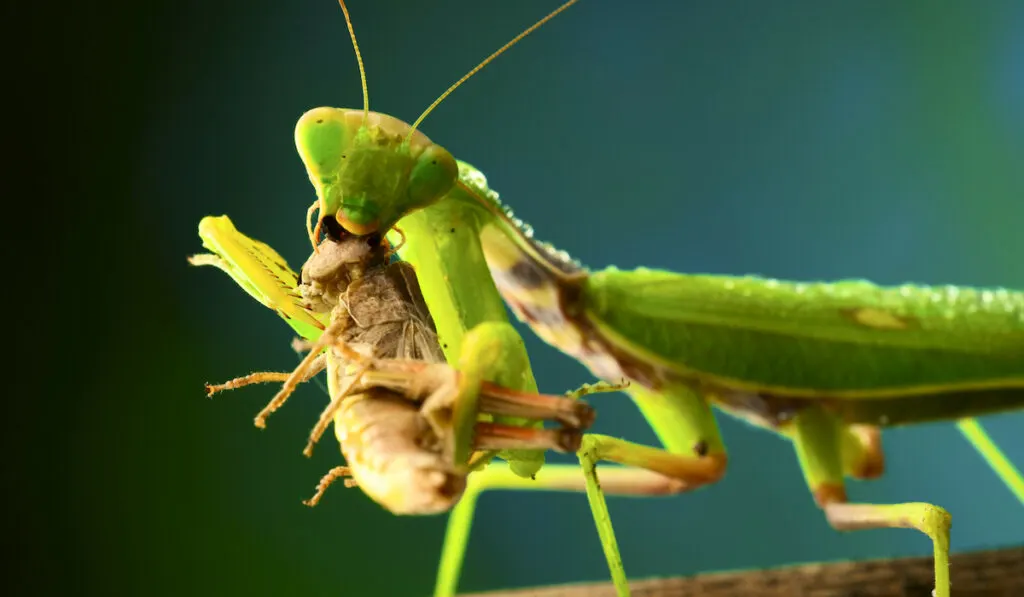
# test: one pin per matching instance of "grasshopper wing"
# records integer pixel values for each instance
(260, 271)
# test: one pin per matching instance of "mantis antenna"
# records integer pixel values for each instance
(477, 68)
(359, 60)
(314, 232)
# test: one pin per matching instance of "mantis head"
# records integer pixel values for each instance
(370, 169)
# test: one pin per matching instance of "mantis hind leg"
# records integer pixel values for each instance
(990, 452)
(825, 451)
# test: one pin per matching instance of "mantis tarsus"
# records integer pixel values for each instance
(372, 171)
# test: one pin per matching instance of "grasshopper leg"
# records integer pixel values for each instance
(338, 472)
(497, 436)
(330, 337)
(315, 367)
(821, 449)
(328, 413)
(458, 397)
(566, 410)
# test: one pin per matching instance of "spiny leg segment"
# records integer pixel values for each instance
(329, 338)
(338, 472)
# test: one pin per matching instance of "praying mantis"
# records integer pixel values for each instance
(426, 249)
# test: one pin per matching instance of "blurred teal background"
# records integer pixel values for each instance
(797, 139)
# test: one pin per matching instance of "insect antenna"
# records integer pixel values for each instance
(359, 60)
(485, 62)
(314, 232)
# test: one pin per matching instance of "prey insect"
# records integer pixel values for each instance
(407, 423)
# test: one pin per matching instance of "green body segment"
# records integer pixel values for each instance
(443, 243)
(848, 339)
(879, 355)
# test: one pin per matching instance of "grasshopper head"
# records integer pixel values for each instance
(367, 175)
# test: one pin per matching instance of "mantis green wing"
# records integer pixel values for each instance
(825, 365)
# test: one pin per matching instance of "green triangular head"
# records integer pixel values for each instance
(370, 169)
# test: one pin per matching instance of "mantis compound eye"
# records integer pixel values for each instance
(433, 175)
(322, 136)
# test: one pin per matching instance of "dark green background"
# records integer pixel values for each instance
(798, 139)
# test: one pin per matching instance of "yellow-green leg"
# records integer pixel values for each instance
(995, 458)
(822, 450)
(553, 477)
(695, 456)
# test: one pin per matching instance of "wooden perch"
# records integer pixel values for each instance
(997, 573)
